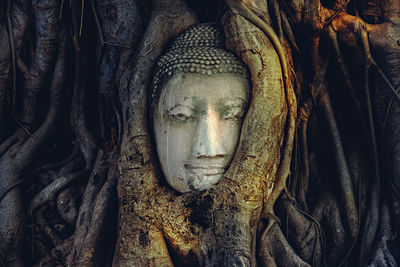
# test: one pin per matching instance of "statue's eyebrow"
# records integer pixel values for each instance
(180, 105)
(225, 104)
(232, 101)
(180, 100)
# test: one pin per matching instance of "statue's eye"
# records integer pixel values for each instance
(232, 113)
(181, 114)
(180, 117)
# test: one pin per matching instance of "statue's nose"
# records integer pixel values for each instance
(208, 141)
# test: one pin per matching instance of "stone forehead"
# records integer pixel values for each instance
(200, 49)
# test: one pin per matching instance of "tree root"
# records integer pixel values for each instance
(274, 250)
(345, 180)
(284, 169)
(13, 167)
(373, 212)
(78, 120)
(49, 193)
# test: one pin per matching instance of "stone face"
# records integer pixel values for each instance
(197, 121)
(199, 96)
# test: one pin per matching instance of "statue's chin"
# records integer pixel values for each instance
(197, 179)
(203, 180)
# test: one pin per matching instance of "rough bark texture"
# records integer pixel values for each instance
(315, 179)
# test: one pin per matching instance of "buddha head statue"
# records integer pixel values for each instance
(200, 94)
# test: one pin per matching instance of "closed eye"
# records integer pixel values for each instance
(232, 113)
(181, 113)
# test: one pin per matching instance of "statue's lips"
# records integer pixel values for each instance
(206, 170)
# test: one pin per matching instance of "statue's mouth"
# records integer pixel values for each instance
(202, 176)
(206, 169)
